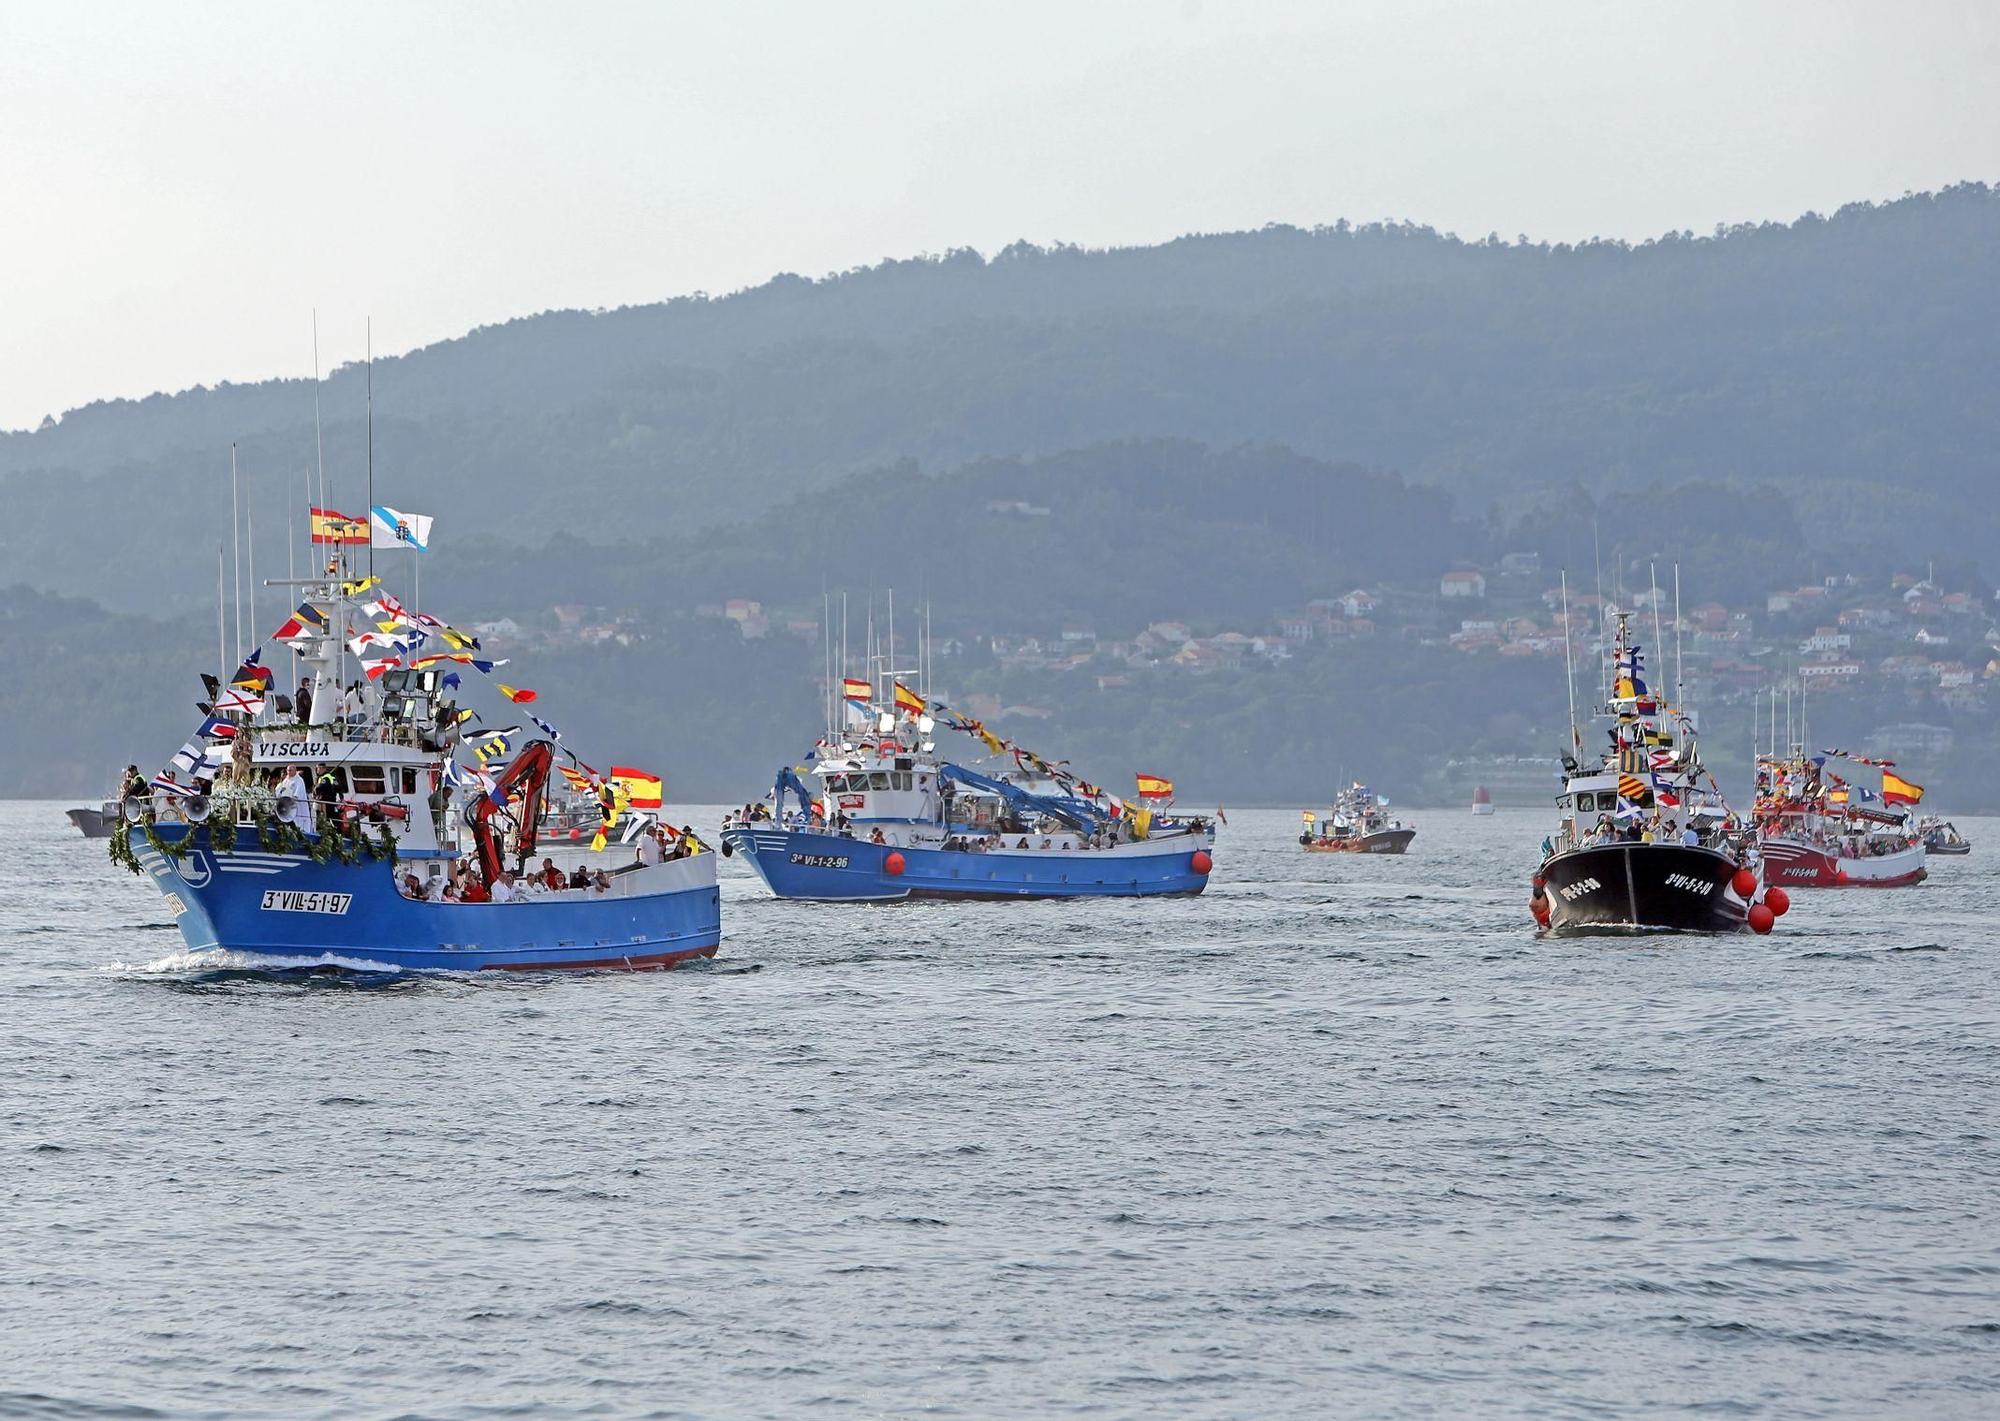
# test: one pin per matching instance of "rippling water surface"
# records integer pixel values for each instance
(1339, 1137)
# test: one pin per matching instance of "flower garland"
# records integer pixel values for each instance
(350, 843)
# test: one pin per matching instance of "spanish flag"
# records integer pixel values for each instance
(908, 700)
(645, 790)
(1153, 787)
(331, 527)
(854, 690)
(1897, 790)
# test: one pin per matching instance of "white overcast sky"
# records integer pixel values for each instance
(180, 185)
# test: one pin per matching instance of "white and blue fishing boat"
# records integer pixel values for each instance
(352, 836)
(880, 815)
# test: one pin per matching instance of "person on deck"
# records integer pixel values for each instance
(304, 701)
(503, 890)
(293, 787)
(651, 851)
(552, 877)
(326, 791)
(134, 786)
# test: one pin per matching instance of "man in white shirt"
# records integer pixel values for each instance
(650, 851)
(293, 787)
(504, 890)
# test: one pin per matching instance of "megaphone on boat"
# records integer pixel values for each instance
(285, 805)
(197, 807)
(134, 809)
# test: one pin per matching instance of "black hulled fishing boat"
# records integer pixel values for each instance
(1645, 840)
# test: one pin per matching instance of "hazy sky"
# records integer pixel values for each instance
(181, 184)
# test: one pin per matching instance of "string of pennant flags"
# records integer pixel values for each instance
(857, 694)
(626, 794)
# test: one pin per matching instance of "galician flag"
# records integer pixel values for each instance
(391, 529)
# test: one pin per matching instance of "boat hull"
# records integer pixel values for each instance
(1648, 886)
(294, 910)
(1385, 841)
(1792, 863)
(830, 868)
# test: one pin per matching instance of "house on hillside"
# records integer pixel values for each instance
(1462, 584)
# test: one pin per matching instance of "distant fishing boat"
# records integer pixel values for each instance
(1356, 823)
(1482, 802)
(96, 823)
(1823, 826)
(881, 816)
(1942, 837)
(354, 872)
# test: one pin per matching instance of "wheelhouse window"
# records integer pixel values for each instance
(368, 779)
(879, 780)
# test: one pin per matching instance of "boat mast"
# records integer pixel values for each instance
(369, 520)
(221, 635)
(1653, 572)
(1679, 683)
(236, 553)
(319, 442)
(1569, 676)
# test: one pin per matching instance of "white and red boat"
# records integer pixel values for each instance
(1813, 835)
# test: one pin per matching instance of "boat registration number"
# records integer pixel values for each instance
(1577, 889)
(278, 900)
(820, 860)
(1691, 883)
(175, 905)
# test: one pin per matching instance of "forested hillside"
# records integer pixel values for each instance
(1847, 361)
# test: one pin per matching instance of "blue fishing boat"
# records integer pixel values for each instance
(353, 835)
(879, 815)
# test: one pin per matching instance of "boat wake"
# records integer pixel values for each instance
(209, 963)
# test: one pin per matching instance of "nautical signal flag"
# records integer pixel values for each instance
(855, 691)
(331, 527)
(646, 791)
(1897, 790)
(1153, 787)
(1633, 788)
(307, 620)
(908, 700)
(519, 697)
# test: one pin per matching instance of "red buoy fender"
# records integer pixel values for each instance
(1778, 901)
(1201, 862)
(893, 864)
(1761, 918)
(1539, 906)
(1745, 883)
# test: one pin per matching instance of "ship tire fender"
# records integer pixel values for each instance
(728, 849)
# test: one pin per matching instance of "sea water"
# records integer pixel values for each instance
(1340, 1137)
